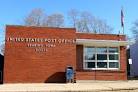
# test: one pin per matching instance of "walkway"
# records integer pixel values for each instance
(92, 86)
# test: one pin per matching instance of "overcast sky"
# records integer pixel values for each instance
(13, 11)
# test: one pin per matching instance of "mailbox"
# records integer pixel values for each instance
(69, 74)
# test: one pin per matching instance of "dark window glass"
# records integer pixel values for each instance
(113, 65)
(90, 57)
(113, 50)
(101, 50)
(90, 64)
(113, 57)
(101, 56)
(101, 64)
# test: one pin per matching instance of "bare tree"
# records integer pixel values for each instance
(135, 30)
(73, 16)
(55, 20)
(86, 22)
(35, 18)
(79, 20)
(86, 19)
(82, 21)
(82, 26)
(45, 21)
(2, 49)
(102, 27)
(93, 24)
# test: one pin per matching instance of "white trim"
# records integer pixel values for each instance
(110, 43)
(108, 61)
(101, 68)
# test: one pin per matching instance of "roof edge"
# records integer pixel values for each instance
(39, 27)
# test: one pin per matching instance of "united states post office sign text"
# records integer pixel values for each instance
(40, 44)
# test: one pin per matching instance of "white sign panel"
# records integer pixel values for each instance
(130, 61)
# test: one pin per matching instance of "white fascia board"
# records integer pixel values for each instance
(91, 42)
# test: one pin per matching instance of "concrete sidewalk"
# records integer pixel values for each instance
(92, 86)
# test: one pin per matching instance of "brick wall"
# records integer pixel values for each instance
(101, 75)
(79, 57)
(120, 74)
(100, 36)
(25, 65)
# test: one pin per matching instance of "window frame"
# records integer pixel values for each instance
(108, 61)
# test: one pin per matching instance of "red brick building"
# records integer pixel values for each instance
(41, 54)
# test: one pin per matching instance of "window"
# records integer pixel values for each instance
(101, 50)
(101, 64)
(113, 65)
(113, 50)
(90, 55)
(90, 64)
(101, 58)
(113, 56)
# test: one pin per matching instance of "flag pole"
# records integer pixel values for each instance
(123, 30)
(122, 20)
